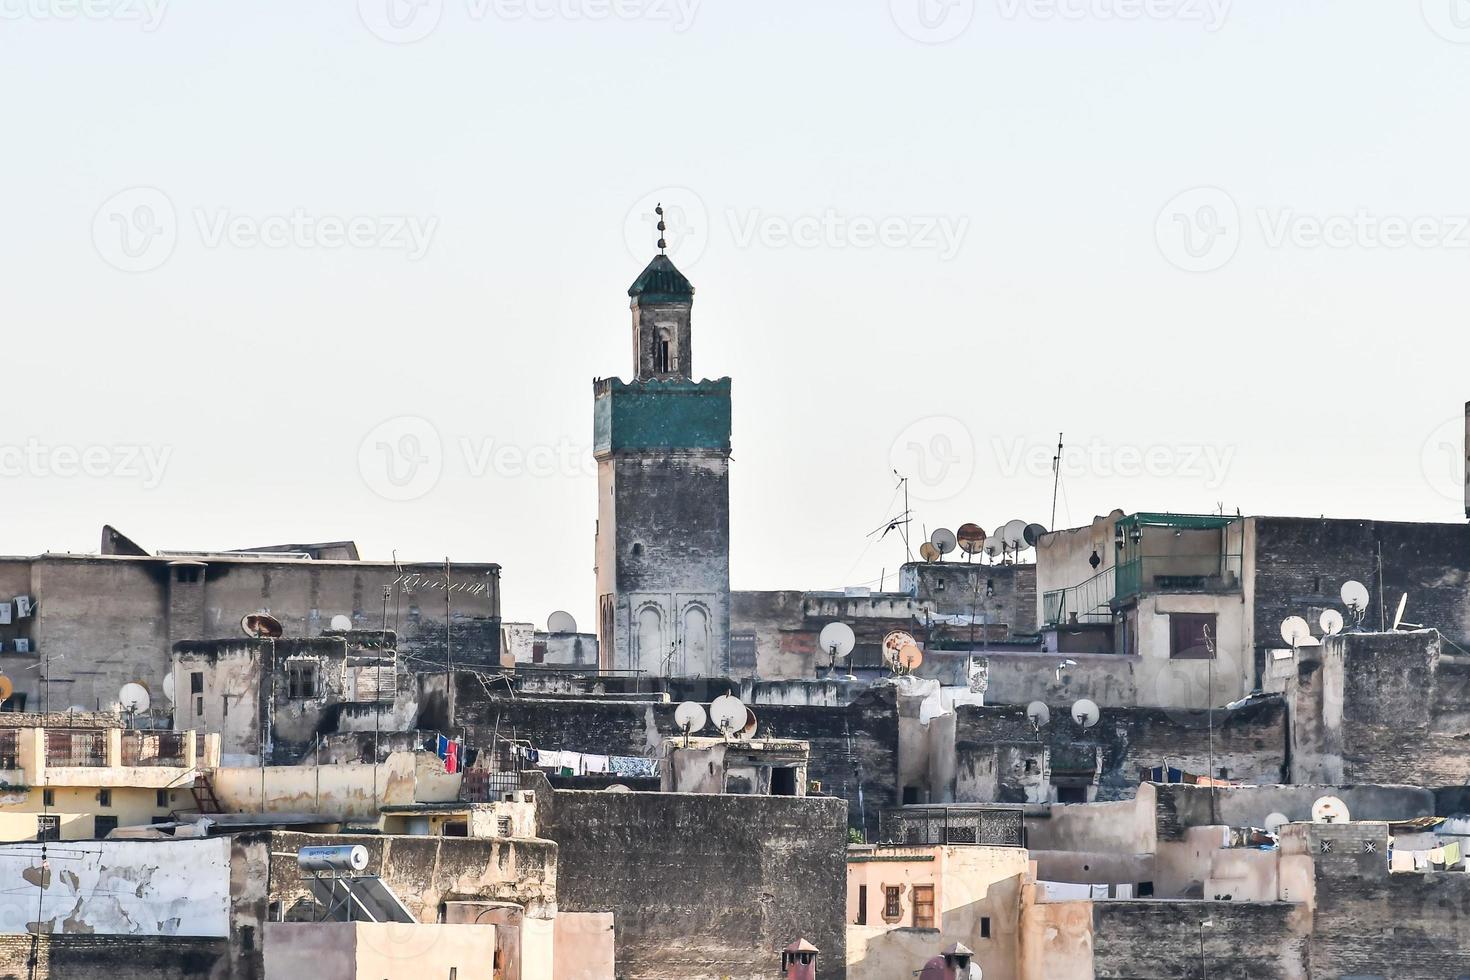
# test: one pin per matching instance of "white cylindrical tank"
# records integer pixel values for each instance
(347, 857)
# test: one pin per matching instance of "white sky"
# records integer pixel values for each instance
(1311, 378)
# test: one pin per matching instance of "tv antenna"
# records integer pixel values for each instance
(1056, 483)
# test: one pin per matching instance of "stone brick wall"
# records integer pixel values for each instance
(703, 887)
(1155, 940)
(1408, 926)
(114, 957)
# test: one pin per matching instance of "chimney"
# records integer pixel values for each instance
(799, 961)
(952, 964)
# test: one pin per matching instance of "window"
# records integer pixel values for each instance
(161, 798)
(1191, 635)
(892, 911)
(16, 702)
(300, 681)
(985, 927)
(104, 797)
(910, 795)
(224, 705)
(1071, 794)
(923, 906)
(1145, 889)
(48, 827)
(783, 781)
(663, 356)
(102, 826)
(199, 706)
(48, 797)
(196, 682)
(862, 909)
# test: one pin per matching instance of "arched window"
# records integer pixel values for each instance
(697, 641)
(650, 652)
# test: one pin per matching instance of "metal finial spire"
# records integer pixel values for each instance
(663, 246)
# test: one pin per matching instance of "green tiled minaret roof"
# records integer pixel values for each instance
(661, 282)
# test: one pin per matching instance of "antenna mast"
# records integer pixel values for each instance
(1056, 468)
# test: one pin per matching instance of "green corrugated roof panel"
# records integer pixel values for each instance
(661, 282)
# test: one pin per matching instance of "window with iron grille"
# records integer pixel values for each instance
(8, 749)
(892, 909)
(48, 827)
(301, 681)
(66, 748)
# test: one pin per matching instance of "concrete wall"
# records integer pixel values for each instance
(1153, 940)
(132, 888)
(585, 947)
(1056, 939)
(350, 791)
(707, 887)
(114, 957)
(376, 951)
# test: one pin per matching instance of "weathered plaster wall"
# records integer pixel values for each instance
(1180, 806)
(350, 791)
(709, 886)
(1056, 939)
(114, 957)
(135, 888)
(1155, 940)
(390, 951)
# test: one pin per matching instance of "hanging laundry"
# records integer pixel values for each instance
(1452, 854)
(633, 767)
(451, 758)
(594, 764)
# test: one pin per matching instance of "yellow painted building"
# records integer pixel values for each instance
(81, 777)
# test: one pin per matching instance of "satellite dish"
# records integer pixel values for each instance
(1032, 534)
(895, 642)
(944, 540)
(7, 687)
(1039, 714)
(747, 732)
(1330, 809)
(134, 697)
(262, 626)
(971, 538)
(928, 552)
(1085, 713)
(690, 717)
(728, 713)
(837, 639)
(1331, 622)
(168, 687)
(1015, 534)
(1275, 821)
(1355, 597)
(561, 622)
(910, 657)
(341, 623)
(616, 788)
(994, 546)
(1295, 631)
(1398, 617)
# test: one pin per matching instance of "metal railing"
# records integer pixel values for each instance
(1090, 602)
(153, 749)
(953, 825)
(76, 748)
(1179, 573)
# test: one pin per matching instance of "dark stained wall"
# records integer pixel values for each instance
(703, 887)
(1156, 940)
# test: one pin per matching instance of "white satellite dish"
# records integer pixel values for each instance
(837, 640)
(1355, 597)
(1038, 713)
(994, 547)
(1085, 713)
(728, 714)
(1331, 622)
(168, 687)
(1398, 617)
(341, 623)
(616, 788)
(1330, 809)
(943, 540)
(894, 644)
(561, 622)
(134, 697)
(1295, 631)
(690, 717)
(1275, 821)
(1015, 534)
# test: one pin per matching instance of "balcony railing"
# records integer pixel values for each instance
(1089, 602)
(1179, 573)
(154, 749)
(954, 825)
(76, 748)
